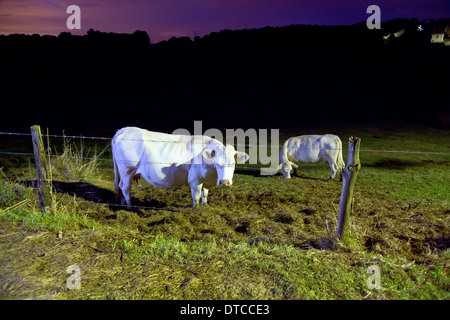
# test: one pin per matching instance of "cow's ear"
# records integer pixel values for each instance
(294, 165)
(208, 155)
(241, 157)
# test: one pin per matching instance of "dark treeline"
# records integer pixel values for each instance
(225, 51)
(93, 38)
(308, 72)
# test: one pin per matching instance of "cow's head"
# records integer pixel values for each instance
(224, 159)
(286, 168)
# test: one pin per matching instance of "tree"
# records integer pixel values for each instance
(141, 37)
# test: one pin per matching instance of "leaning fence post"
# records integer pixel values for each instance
(349, 174)
(43, 178)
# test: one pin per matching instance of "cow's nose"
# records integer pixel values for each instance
(224, 183)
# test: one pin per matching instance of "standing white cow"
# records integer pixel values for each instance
(311, 148)
(167, 160)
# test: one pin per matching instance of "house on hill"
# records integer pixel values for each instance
(397, 34)
(441, 36)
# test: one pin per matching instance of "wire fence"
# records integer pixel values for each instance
(81, 137)
(56, 136)
(240, 167)
(406, 151)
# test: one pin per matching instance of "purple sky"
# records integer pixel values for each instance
(163, 19)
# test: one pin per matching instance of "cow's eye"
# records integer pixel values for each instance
(213, 153)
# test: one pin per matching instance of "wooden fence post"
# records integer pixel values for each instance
(43, 178)
(349, 174)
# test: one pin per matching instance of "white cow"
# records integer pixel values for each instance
(167, 160)
(311, 148)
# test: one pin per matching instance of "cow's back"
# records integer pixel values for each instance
(329, 141)
(304, 148)
(161, 147)
(162, 159)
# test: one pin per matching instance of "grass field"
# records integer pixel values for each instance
(263, 238)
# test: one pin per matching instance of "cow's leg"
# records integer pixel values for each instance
(196, 190)
(126, 191)
(119, 193)
(125, 186)
(205, 196)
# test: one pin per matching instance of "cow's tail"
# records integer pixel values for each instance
(284, 155)
(339, 159)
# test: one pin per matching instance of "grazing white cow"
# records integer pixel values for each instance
(311, 148)
(167, 160)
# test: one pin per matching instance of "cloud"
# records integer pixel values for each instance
(30, 17)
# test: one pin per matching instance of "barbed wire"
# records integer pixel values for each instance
(405, 151)
(238, 167)
(362, 150)
(237, 144)
(15, 134)
(17, 153)
(57, 136)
